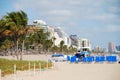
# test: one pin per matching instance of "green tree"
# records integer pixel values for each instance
(5, 40)
(23, 30)
(40, 40)
(55, 49)
(72, 49)
(61, 45)
(48, 45)
(65, 49)
(15, 27)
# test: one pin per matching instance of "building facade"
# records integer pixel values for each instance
(84, 45)
(60, 35)
(118, 48)
(111, 47)
(74, 40)
(54, 33)
(99, 49)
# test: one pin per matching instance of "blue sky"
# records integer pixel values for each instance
(97, 20)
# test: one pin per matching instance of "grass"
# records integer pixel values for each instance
(7, 66)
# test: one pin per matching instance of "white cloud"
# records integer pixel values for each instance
(102, 17)
(78, 2)
(107, 29)
(113, 28)
(114, 9)
(69, 12)
(63, 13)
(81, 2)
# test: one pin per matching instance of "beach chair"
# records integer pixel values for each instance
(101, 58)
(73, 59)
(77, 60)
(68, 58)
(84, 59)
(114, 59)
(107, 58)
(97, 59)
(111, 58)
(90, 59)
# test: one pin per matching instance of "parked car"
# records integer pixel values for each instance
(58, 58)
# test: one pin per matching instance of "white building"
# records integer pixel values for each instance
(57, 39)
(84, 45)
(99, 49)
(111, 47)
(60, 35)
(50, 29)
(39, 22)
(74, 40)
(56, 33)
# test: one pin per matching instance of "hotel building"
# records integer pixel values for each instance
(111, 47)
(84, 44)
(56, 33)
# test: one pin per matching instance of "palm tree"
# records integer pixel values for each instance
(5, 41)
(53, 39)
(16, 23)
(61, 45)
(2, 27)
(23, 30)
(65, 49)
(48, 44)
(40, 39)
(72, 49)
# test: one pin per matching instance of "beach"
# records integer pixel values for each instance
(29, 57)
(71, 71)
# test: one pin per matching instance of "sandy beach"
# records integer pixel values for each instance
(29, 57)
(71, 71)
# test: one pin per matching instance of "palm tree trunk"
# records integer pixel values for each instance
(22, 50)
(16, 49)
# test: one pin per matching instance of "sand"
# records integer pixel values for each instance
(72, 71)
(29, 57)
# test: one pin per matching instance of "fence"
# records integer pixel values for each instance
(30, 72)
(0, 75)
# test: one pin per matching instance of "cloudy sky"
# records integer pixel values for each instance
(97, 20)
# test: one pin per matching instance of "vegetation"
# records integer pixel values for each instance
(13, 28)
(7, 66)
(15, 37)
